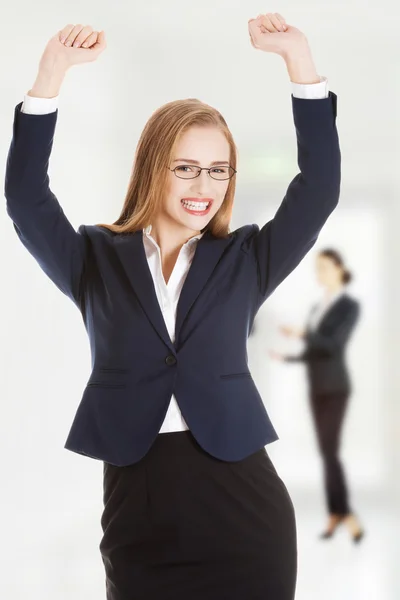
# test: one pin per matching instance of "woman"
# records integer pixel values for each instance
(329, 328)
(193, 507)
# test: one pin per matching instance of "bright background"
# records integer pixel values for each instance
(51, 499)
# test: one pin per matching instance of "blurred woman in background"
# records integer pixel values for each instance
(328, 330)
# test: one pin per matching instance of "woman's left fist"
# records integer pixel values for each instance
(271, 33)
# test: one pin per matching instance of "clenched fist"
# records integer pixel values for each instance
(270, 33)
(73, 45)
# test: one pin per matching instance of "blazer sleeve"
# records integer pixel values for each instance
(38, 218)
(312, 195)
(324, 345)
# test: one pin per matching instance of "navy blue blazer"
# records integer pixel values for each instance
(135, 366)
(324, 353)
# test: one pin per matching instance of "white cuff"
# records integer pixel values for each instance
(39, 106)
(311, 91)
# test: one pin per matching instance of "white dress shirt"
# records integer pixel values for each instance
(168, 294)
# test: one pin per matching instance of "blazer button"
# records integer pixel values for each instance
(170, 360)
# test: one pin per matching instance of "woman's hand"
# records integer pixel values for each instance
(271, 33)
(276, 355)
(296, 332)
(73, 45)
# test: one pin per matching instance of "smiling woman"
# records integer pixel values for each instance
(193, 506)
(157, 196)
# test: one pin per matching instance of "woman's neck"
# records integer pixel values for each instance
(334, 289)
(171, 236)
(170, 240)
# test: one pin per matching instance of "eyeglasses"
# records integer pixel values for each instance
(191, 172)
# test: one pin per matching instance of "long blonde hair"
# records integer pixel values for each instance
(154, 153)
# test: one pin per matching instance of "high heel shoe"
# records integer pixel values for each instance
(356, 531)
(326, 535)
(357, 537)
(329, 533)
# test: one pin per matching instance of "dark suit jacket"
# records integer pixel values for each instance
(324, 352)
(135, 366)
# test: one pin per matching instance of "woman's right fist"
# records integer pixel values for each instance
(73, 45)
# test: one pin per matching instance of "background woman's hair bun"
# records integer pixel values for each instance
(347, 276)
(337, 258)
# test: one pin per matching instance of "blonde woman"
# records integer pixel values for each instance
(193, 506)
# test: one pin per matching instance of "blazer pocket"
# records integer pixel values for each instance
(103, 384)
(112, 370)
(244, 375)
(112, 378)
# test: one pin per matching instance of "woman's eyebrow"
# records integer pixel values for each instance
(195, 162)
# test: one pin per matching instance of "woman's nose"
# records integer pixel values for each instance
(202, 181)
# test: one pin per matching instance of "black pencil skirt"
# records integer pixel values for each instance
(183, 525)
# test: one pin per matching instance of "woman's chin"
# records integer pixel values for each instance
(195, 223)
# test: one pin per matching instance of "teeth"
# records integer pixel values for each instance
(200, 206)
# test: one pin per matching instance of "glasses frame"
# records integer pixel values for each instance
(208, 169)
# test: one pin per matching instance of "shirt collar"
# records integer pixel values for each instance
(336, 296)
(195, 238)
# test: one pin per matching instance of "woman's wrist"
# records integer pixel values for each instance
(48, 83)
(300, 65)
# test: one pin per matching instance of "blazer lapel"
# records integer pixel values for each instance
(208, 252)
(132, 254)
(331, 310)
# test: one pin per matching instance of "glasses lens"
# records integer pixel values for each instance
(187, 171)
(221, 172)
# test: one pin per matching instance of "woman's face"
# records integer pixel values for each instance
(328, 273)
(192, 203)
